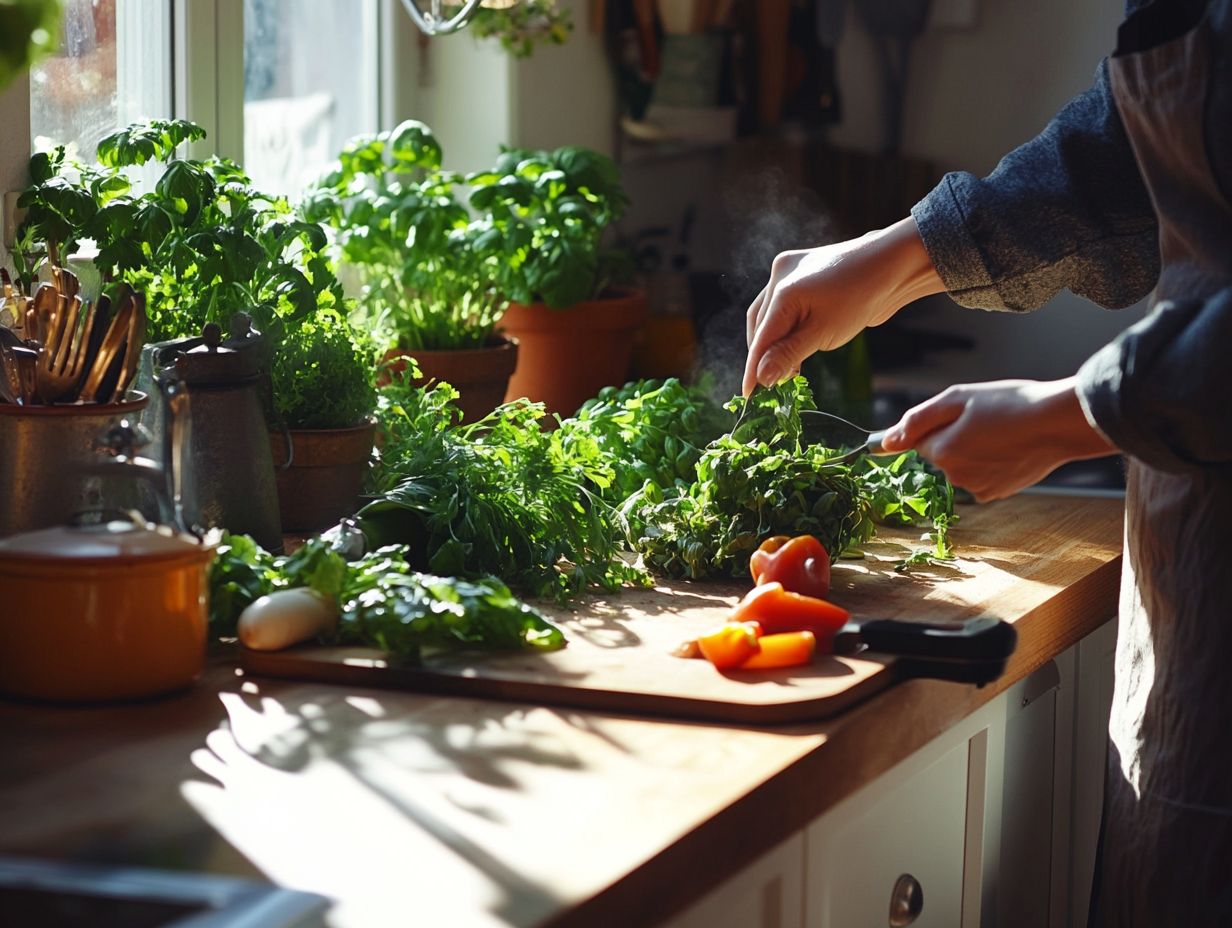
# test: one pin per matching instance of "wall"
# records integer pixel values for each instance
(460, 87)
(14, 143)
(477, 97)
(975, 94)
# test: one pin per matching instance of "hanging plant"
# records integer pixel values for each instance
(522, 24)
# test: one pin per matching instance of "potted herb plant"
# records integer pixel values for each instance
(203, 246)
(541, 221)
(325, 397)
(428, 274)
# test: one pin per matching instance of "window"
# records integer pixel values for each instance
(309, 78)
(309, 85)
(113, 67)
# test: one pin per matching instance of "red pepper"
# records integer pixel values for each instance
(801, 564)
(778, 610)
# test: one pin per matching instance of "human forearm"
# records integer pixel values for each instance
(1068, 209)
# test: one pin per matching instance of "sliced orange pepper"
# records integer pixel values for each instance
(785, 649)
(801, 564)
(731, 645)
(778, 610)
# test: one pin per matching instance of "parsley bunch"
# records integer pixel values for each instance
(647, 430)
(500, 496)
(758, 480)
(753, 482)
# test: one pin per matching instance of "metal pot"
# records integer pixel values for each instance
(47, 455)
(102, 612)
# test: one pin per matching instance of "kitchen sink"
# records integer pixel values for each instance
(53, 894)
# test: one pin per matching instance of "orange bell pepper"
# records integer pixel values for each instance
(778, 610)
(731, 645)
(785, 649)
(801, 564)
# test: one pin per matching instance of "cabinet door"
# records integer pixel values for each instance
(769, 893)
(910, 823)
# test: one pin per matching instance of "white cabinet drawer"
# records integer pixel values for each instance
(912, 822)
(769, 893)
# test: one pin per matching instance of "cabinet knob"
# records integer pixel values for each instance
(906, 901)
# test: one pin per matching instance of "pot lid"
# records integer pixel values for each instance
(105, 541)
(212, 360)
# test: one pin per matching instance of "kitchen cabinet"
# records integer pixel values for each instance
(769, 893)
(991, 824)
(900, 837)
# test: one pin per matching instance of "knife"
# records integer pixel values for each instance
(975, 651)
(823, 428)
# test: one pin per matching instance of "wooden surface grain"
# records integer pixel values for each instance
(409, 808)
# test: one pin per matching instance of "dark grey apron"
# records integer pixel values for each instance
(1166, 856)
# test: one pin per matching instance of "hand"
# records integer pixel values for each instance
(821, 298)
(994, 439)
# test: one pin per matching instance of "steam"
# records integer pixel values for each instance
(768, 213)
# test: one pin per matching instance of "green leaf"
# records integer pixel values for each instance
(413, 145)
(140, 142)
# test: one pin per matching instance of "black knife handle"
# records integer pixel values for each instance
(974, 651)
(982, 639)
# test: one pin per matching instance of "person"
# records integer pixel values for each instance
(1127, 189)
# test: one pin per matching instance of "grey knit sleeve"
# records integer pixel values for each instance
(1159, 392)
(1067, 210)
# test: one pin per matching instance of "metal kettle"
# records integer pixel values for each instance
(229, 465)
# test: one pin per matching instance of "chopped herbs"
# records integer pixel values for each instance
(382, 602)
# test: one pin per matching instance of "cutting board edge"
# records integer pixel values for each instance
(284, 665)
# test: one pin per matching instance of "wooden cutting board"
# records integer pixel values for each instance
(1028, 560)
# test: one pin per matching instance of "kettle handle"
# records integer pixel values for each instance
(177, 413)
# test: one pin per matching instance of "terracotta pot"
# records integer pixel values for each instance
(566, 356)
(102, 612)
(480, 375)
(324, 476)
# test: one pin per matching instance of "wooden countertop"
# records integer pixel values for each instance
(447, 811)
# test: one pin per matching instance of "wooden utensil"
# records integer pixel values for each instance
(62, 362)
(132, 351)
(41, 313)
(110, 352)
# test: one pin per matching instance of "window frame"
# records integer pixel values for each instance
(206, 43)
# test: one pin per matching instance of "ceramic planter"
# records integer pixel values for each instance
(565, 356)
(321, 475)
(480, 375)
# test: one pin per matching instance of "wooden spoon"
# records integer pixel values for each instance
(109, 351)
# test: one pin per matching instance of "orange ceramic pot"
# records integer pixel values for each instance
(100, 613)
(566, 356)
(480, 375)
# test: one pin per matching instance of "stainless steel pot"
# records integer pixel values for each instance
(48, 461)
